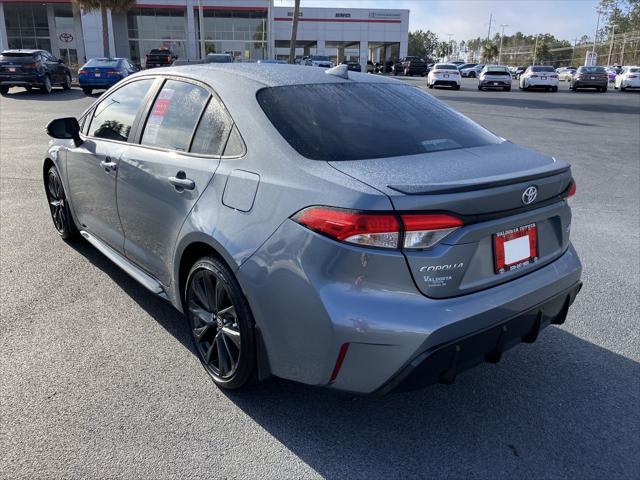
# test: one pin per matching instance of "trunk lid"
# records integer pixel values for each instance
(485, 187)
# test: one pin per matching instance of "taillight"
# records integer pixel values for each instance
(113, 72)
(30, 65)
(382, 230)
(633, 76)
(368, 229)
(82, 71)
(571, 189)
(533, 76)
(553, 76)
(424, 231)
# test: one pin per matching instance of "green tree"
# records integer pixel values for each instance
(423, 44)
(489, 51)
(103, 6)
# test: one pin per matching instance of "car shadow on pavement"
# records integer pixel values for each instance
(561, 407)
(56, 95)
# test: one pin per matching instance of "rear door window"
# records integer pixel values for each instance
(174, 115)
(114, 116)
(212, 131)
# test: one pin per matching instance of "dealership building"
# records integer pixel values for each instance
(248, 29)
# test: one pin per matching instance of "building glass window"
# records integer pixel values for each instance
(27, 25)
(242, 33)
(151, 28)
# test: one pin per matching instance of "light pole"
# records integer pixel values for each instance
(613, 36)
(450, 49)
(203, 51)
(501, 37)
(595, 36)
(535, 49)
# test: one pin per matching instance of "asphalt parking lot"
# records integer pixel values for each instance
(98, 377)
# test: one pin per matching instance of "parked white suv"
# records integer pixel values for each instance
(540, 76)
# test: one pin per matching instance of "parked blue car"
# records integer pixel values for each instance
(103, 73)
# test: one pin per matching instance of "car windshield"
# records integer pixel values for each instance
(444, 66)
(592, 70)
(542, 69)
(322, 58)
(354, 121)
(102, 62)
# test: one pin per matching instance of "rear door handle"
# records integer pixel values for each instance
(181, 182)
(107, 164)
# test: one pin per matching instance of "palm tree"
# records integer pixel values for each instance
(103, 5)
(489, 52)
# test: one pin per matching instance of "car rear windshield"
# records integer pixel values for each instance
(218, 59)
(542, 69)
(354, 121)
(497, 70)
(322, 58)
(634, 70)
(159, 51)
(592, 70)
(102, 62)
(15, 55)
(444, 66)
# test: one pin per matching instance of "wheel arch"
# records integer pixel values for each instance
(194, 247)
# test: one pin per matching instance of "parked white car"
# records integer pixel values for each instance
(539, 76)
(629, 77)
(495, 76)
(317, 61)
(565, 73)
(444, 75)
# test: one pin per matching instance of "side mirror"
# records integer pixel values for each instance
(65, 128)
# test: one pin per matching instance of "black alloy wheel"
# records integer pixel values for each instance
(67, 82)
(221, 323)
(60, 213)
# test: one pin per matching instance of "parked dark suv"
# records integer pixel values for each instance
(411, 66)
(32, 68)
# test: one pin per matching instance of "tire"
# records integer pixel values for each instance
(59, 206)
(507, 89)
(225, 342)
(622, 89)
(472, 74)
(554, 89)
(4, 90)
(430, 86)
(395, 72)
(46, 86)
(479, 88)
(67, 82)
(87, 91)
(457, 87)
(28, 89)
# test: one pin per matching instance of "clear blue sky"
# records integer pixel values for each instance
(566, 19)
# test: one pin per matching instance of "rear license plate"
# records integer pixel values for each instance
(515, 248)
(496, 83)
(592, 78)
(96, 74)
(446, 75)
(12, 69)
(543, 78)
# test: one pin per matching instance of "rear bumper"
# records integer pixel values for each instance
(97, 82)
(591, 84)
(310, 295)
(442, 363)
(536, 82)
(445, 83)
(20, 81)
(495, 83)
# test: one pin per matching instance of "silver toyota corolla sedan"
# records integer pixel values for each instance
(328, 227)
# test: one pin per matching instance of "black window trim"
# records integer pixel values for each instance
(141, 123)
(133, 132)
(144, 111)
